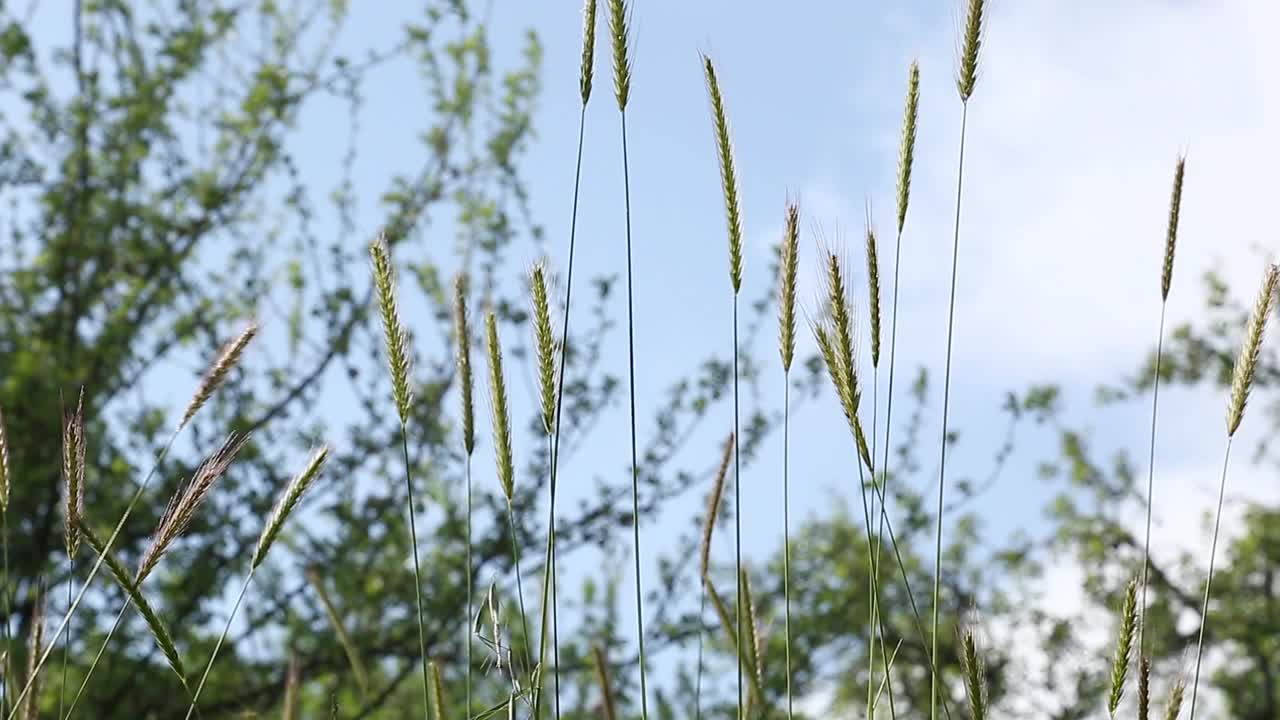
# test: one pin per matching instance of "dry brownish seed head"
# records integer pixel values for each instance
(438, 701)
(728, 175)
(35, 645)
(227, 360)
(970, 44)
(842, 326)
(839, 381)
(1144, 688)
(788, 266)
(5, 478)
(545, 343)
(1171, 234)
(462, 333)
(498, 407)
(1247, 361)
(621, 65)
(588, 50)
(907, 146)
(752, 625)
(713, 505)
(289, 500)
(1124, 646)
(397, 339)
(73, 452)
(182, 507)
(873, 286)
(1174, 708)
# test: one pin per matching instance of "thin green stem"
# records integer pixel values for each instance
(1151, 475)
(8, 611)
(1208, 583)
(93, 572)
(466, 626)
(786, 527)
(946, 406)
(417, 573)
(635, 465)
(873, 587)
(515, 557)
(702, 631)
(128, 602)
(66, 643)
(221, 639)
(737, 505)
(873, 571)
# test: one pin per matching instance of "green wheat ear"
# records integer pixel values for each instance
(1171, 236)
(1124, 646)
(73, 451)
(462, 333)
(728, 174)
(873, 285)
(1242, 377)
(498, 408)
(397, 339)
(907, 146)
(588, 50)
(545, 344)
(287, 503)
(975, 683)
(619, 36)
(788, 264)
(970, 45)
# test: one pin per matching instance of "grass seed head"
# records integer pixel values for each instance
(1174, 707)
(227, 360)
(438, 700)
(608, 711)
(1144, 688)
(588, 50)
(620, 37)
(545, 343)
(73, 451)
(397, 338)
(728, 175)
(462, 335)
(288, 502)
(1171, 235)
(498, 407)
(5, 477)
(789, 262)
(907, 146)
(970, 45)
(1124, 646)
(713, 506)
(1247, 361)
(35, 645)
(975, 684)
(873, 286)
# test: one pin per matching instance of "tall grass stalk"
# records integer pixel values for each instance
(620, 39)
(733, 221)
(397, 345)
(545, 346)
(704, 565)
(73, 453)
(462, 335)
(873, 586)
(906, 155)
(788, 265)
(966, 78)
(1241, 382)
(226, 361)
(288, 501)
(1166, 280)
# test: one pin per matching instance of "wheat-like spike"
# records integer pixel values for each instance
(842, 326)
(182, 508)
(1171, 235)
(35, 643)
(907, 146)
(288, 501)
(438, 702)
(588, 50)
(728, 175)
(1144, 688)
(713, 506)
(970, 44)
(73, 451)
(608, 711)
(1174, 708)
(462, 333)
(1124, 646)
(498, 408)
(164, 640)
(975, 684)
(4, 466)
(827, 348)
(344, 639)
(397, 338)
(621, 64)
(227, 360)
(292, 683)
(788, 263)
(545, 343)
(873, 286)
(752, 626)
(1242, 378)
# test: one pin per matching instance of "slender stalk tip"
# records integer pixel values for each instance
(970, 45)
(620, 37)
(462, 333)
(227, 360)
(397, 338)
(498, 408)
(287, 503)
(1246, 362)
(728, 174)
(789, 261)
(907, 146)
(588, 50)
(1171, 235)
